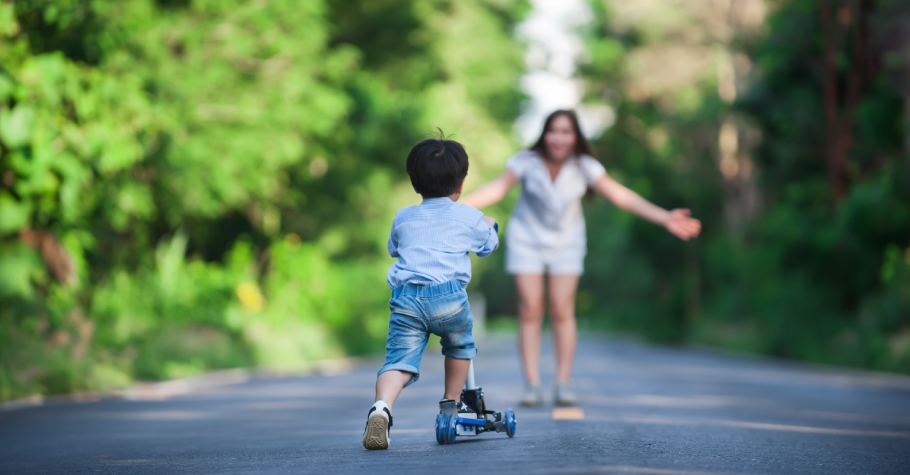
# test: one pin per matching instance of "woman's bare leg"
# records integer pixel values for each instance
(530, 313)
(562, 316)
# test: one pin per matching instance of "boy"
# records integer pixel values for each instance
(431, 241)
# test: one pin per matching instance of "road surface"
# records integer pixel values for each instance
(643, 409)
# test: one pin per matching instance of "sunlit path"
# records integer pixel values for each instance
(643, 409)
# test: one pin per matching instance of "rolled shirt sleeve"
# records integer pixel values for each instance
(487, 240)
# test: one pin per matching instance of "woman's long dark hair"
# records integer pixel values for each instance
(582, 146)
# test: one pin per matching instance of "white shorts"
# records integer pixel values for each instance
(523, 258)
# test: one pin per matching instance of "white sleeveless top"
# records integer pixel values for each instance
(548, 214)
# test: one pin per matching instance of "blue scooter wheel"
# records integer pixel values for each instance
(510, 422)
(440, 428)
(451, 427)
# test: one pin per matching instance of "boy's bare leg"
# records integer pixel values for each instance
(456, 373)
(390, 384)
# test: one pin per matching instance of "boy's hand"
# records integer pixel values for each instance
(681, 225)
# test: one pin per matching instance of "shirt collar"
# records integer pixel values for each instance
(439, 200)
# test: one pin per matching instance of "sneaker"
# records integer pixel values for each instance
(376, 433)
(565, 395)
(448, 406)
(533, 396)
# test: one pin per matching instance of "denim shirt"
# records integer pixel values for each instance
(432, 241)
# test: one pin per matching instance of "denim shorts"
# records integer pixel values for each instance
(418, 311)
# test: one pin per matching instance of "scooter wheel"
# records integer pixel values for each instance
(441, 420)
(451, 428)
(510, 422)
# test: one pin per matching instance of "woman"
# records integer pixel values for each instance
(546, 234)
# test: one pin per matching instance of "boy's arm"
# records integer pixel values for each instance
(487, 236)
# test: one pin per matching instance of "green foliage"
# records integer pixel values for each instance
(221, 174)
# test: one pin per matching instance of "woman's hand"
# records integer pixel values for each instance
(677, 221)
(681, 225)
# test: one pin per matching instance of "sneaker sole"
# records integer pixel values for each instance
(377, 435)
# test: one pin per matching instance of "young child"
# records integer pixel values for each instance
(431, 241)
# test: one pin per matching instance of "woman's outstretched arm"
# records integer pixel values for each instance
(491, 192)
(676, 221)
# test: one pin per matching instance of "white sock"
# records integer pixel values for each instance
(380, 405)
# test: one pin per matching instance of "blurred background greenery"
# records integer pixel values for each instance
(199, 184)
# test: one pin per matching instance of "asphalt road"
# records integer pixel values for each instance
(645, 410)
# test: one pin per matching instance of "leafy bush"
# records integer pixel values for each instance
(204, 184)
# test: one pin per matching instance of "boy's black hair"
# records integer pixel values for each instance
(437, 167)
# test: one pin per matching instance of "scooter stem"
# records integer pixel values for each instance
(469, 383)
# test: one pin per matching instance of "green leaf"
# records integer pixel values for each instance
(18, 264)
(16, 125)
(13, 214)
(8, 24)
(7, 86)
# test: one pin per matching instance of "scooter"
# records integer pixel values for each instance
(474, 418)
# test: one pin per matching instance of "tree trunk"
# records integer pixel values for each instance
(839, 124)
(907, 125)
(830, 93)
